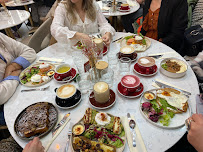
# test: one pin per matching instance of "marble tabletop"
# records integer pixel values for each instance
(119, 13)
(13, 18)
(15, 3)
(155, 139)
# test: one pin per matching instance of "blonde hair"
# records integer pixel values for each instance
(87, 6)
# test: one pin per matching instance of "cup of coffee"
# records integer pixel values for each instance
(67, 94)
(66, 91)
(101, 65)
(101, 92)
(63, 71)
(146, 64)
(127, 51)
(130, 83)
(124, 6)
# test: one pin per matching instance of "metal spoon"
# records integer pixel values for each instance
(132, 126)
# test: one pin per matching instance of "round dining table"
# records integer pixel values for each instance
(12, 18)
(156, 139)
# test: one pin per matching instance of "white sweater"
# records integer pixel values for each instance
(12, 51)
(62, 29)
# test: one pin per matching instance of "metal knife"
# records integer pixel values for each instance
(69, 135)
(168, 86)
(60, 124)
(132, 125)
(117, 39)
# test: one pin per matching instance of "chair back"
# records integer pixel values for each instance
(41, 38)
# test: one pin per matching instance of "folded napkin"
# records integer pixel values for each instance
(156, 86)
(140, 146)
(57, 133)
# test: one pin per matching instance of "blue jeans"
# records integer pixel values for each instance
(2, 120)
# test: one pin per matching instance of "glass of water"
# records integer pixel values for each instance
(83, 81)
(112, 59)
(124, 66)
(107, 75)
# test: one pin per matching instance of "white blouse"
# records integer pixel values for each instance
(62, 29)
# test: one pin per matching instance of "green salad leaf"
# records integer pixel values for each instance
(164, 66)
(129, 37)
(116, 143)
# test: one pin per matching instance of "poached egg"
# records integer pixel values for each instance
(102, 118)
(36, 78)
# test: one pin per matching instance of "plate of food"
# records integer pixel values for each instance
(139, 42)
(165, 108)
(37, 74)
(98, 131)
(36, 120)
(173, 67)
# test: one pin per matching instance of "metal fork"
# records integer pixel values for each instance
(36, 89)
(69, 136)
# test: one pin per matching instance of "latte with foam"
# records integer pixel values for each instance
(146, 61)
(127, 50)
(66, 91)
(101, 92)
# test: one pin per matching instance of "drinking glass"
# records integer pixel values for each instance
(107, 75)
(112, 59)
(78, 58)
(124, 66)
(83, 81)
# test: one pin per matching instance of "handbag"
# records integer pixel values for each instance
(193, 40)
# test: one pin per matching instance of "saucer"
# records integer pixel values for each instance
(131, 95)
(105, 50)
(72, 102)
(106, 105)
(133, 58)
(128, 10)
(138, 71)
(73, 75)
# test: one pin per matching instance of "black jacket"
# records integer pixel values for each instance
(172, 22)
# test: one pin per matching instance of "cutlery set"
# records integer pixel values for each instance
(35, 89)
(132, 125)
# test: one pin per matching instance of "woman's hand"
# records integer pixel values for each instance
(107, 38)
(84, 38)
(195, 134)
(34, 146)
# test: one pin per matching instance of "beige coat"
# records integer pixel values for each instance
(10, 50)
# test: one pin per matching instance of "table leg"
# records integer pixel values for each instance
(30, 18)
(9, 33)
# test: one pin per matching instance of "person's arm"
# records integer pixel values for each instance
(58, 29)
(180, 19)
(8, 86)
(195, 134)
(104, 27)
(140, 1)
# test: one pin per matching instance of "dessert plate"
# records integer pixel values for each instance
(53, 117)
(106, 105)
(69, 103)
(73, 75)
(138, 71)
(130, 95)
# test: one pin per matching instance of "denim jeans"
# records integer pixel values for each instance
(2, 120)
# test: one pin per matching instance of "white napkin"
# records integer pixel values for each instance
(156, 86)
(57, 133)
(140, 146)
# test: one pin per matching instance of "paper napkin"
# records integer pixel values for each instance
(57, 133)
(140, 146)
(156, 86)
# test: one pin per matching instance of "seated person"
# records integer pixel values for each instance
(34, 146)
(165, 20)
(128, 20)
(75, 19)
(14, 56)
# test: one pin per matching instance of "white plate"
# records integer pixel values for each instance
(123, 42)
(176, 122)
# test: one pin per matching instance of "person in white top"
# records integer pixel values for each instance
(74, 20)
(14, 56)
